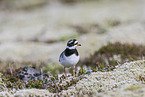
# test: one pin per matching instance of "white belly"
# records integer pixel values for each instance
(69, 61)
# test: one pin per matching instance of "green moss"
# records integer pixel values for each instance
(142, 78)
(57, 87)
(81, 71)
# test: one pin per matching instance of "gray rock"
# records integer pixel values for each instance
(29, 73)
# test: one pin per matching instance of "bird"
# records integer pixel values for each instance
(70, 56)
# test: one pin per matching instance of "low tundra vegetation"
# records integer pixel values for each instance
(107, 57)
(110, 73)
(127, 79)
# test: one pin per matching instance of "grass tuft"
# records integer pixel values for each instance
(107, 57)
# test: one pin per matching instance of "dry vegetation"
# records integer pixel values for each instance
(114, 53)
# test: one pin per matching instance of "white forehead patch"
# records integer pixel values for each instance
(76, 42)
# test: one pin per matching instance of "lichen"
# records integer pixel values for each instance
(125, 80)
(33, 93)
(122, 78)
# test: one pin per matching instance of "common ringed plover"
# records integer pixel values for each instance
(70, 56)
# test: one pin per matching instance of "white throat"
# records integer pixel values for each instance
(73, 47)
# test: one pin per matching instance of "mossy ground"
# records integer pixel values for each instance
(54, 83)
(126, 79)
(107, 57)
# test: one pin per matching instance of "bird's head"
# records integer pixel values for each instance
(72, 44)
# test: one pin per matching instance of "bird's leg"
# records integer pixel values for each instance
(65, 74)
(74, 71)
